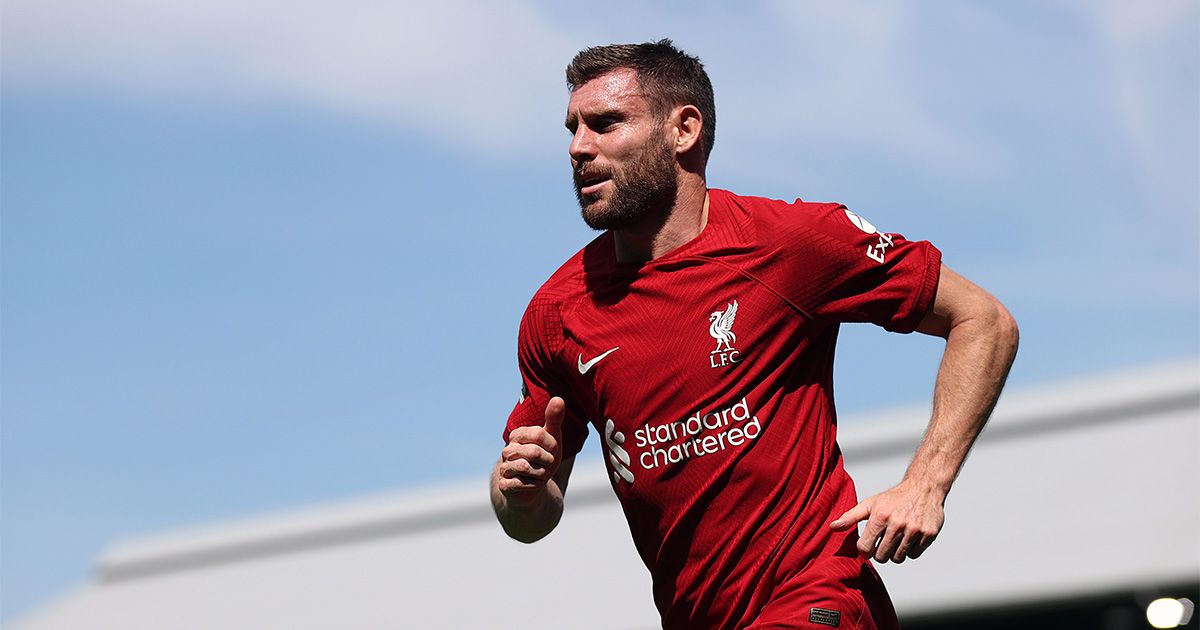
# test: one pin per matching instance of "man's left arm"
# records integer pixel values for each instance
(981, 342)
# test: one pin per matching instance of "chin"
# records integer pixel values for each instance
(595, 217)
(594, 213)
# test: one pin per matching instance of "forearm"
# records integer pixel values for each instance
(531, 517)
(979, 352)
(981, 342)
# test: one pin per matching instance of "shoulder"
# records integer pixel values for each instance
(774, 222)
(542, 320)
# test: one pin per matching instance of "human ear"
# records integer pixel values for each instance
(688, 122)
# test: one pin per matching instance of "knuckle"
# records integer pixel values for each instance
(526, 435)
(509, 473)
(531, 453)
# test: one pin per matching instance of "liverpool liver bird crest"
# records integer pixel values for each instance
(721, 327)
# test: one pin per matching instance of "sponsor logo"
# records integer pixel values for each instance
(584, 367)
(617, 456)
(720, 326)
(875, 252)
(860, 222)
(668, 443)
(825, 617)
(700, 434)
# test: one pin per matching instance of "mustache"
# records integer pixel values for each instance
(583, 174)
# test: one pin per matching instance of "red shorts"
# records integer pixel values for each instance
(842, 591)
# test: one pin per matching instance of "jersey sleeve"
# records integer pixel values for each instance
(854, 272)
(538, 342)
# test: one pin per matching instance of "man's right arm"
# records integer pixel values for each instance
(529, 481)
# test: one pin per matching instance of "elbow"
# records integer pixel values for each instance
(528, 532)
(1006, 331)
(990, 322)
(526, 537)
(1007, 325)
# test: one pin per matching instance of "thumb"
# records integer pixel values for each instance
(556, 409)
(852, 517)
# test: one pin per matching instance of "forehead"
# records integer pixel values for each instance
(616, 90)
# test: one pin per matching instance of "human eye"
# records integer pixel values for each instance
(604, 123)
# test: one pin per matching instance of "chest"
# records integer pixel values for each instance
(663, 348)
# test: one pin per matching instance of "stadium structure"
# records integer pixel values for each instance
(1077, 509)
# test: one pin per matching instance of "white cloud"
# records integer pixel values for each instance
(480, 74)
(484, 75)
(794, 80)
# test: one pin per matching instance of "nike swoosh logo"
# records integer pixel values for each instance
(584, 367)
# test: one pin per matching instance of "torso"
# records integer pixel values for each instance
(718, 428)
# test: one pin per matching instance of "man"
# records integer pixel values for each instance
(697, 334)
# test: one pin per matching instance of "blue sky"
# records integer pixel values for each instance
(257, 257)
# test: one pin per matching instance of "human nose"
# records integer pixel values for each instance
(583, 144)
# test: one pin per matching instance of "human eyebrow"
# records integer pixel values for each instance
(597, 119)
(608, 115)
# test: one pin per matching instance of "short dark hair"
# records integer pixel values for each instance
(668, 76)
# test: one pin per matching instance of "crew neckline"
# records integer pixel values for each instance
(716, 216)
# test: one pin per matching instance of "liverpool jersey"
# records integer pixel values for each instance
(707, 374)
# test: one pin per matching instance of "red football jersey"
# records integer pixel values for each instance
(707, 372)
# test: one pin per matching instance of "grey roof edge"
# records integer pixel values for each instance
(1080, 402)
(1110, 397)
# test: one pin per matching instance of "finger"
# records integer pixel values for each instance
(522, 469)
(920, 548)
(512, 481)
(517, 485)
(531, 452)
(872, 533)
(556, 410)
(852, 516)
(893, 536)
(533, 435)
(906, 546)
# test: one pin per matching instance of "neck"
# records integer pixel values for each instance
(661, 233)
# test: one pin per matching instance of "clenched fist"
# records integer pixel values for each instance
(532, 456)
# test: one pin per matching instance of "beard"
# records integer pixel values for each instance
(645, 186)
